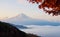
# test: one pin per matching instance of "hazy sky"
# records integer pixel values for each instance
(11, 8)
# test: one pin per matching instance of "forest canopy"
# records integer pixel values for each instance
(49, 6)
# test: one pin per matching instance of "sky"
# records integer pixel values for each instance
(11, 8)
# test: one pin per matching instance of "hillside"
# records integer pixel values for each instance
(8, 30)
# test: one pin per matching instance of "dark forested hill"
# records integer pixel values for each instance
(7, 30)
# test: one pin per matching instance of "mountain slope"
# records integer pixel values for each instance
(17, 19)
(22, 19)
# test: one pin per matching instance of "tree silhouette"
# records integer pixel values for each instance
(50, 6)
(8, 30)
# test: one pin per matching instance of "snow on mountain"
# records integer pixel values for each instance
(23, 19)
(17, 19)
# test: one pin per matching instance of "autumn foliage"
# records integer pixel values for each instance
(50, 6)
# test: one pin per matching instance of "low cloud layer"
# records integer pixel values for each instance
(44, 31)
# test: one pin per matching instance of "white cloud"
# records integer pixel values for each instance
(46, 31)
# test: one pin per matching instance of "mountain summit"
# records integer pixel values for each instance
(17, 19)
(23, 19)
(21, 16)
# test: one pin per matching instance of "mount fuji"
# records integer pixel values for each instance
(17, 19)
(23, 19)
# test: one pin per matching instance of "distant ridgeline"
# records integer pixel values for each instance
(7, 30)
